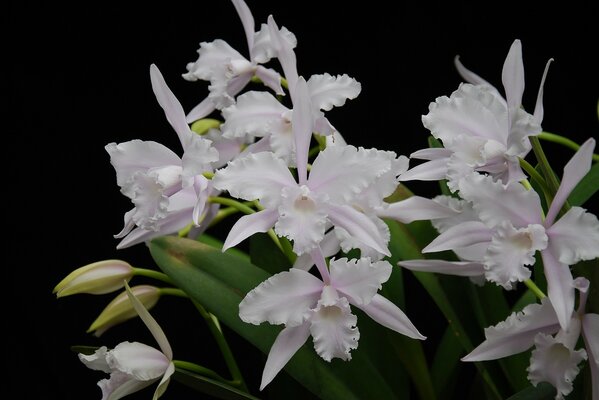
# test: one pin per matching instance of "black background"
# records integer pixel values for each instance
(78, 78)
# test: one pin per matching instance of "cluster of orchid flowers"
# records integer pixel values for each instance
(330, 199)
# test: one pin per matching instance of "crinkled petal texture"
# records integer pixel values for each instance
(510, 250)
(302, 218)
(285, 298)
(333, 328)
(551, 361)
(574, 237)
(327, 91)
(138, 360)
(517, 333)
(255, 113)
(263, 49)
(372, 198)
(198, 157)
(348, 241)
(590, 328)
(97, 360)
(120, 385)
(359, 280)
(342, 172)
(259, 176)
(213, 58)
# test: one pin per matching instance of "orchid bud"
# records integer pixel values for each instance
(202, 126)
(121, 309)
(96, 278)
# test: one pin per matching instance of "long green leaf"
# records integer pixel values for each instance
(210, 386)
(543, 391)
(446, 363)
(219, 282)
(586, 188)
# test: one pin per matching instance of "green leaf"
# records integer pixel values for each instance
(543, 391)
(219, 282)
(446, 363)
(586, 188)
(218, 244)
(210, 386)
(266, 255)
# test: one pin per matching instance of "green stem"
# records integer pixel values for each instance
(217, 333)
(552, 137)
(173, 292)
(550, 177)
(222, 214)
(534, 288)
(150, 273)
(199, 369)
(534, 175)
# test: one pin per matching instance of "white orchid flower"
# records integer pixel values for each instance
(301, 210)
(480, 130)
(554, 359)
(134, 366)
(308, 306)
(512, 229)
(168, 191)
(228, 71)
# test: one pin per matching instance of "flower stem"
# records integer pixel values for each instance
(552, 137)
(199, 369)
(150, 273)
(222, 214)
(173, 292)
(534, 288)
(217, 333)
(534, 175)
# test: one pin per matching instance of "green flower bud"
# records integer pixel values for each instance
(202, 126)
(97, 278)
(121, 309)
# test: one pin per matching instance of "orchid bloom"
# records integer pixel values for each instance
(228, 71)
(168, 192)
(260, 114)
(512, 228)
(554, 359)
(480, 130)
(308, 306)
(301, 210)
(134, 366)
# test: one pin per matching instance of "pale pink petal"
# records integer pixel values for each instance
(202, 110)
(171, 223)
(262, 144)
(590, 334)
(283, 50)
(213, 59)
(287, 343)
(349, 242)
(200, 207)
(142, 362)
(333, 328)
(434, 153)
(538, 113)
(247, 20)
(495, 202)
(247, 225)
(254, 114)
(151, 323)
(301, 121)
(282, 142)
(120, 385)
(523, 126)
(560, 286)
(97, 360)
(227, 148)
(458, 268)
(415, 208)
(359, 226)
(390, 316)
(578, 166)
(327, 91)
(301, 218)
(135, 156)
(270, 78)
(462, 235)
(575, 236)
(198, 157)
(284, 298)
(161, 388)
(433, 170)
(264, 48)
(342, 172)
(256, 176)
(468, 75)
(359, 280)
(329, 246)
(323, 126)
(517, 333)
(512, 77)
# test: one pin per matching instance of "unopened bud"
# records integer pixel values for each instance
(97, 278)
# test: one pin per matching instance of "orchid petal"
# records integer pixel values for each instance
(199, 208)
(463, 209)
(256, 176)
(342, 172)
(171, 223)
(264, 46)
(578, 166)
(458, 268)
(329, 246)
(151, 324)
(512, 76)
(200, 111)
(433, 153)
(213, 60)
(120, 385)
(284, 298)
(517, 333)
(247, 225)
(574, 236)
(141, 361)
(287, 343)
(359, 226)
(282, 142)
(359, 280)
(372, 198)
(390, 316)
(560, 286)
(129, 158)
(247, 20)
(433, 170)
(523, 126)
(198, 156)
(538, 113)
(161, 388)
(302, 128)
(590, 334)
(171, 106)
(327, 91)
(253, 114)
(495, 202)
(349, 242)
(322, 125)
(462, 235)
(97, 360)
(468, 75)
(415, 208)
(333, 328)
(271, 79)
(227, 148)
(285, 54)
